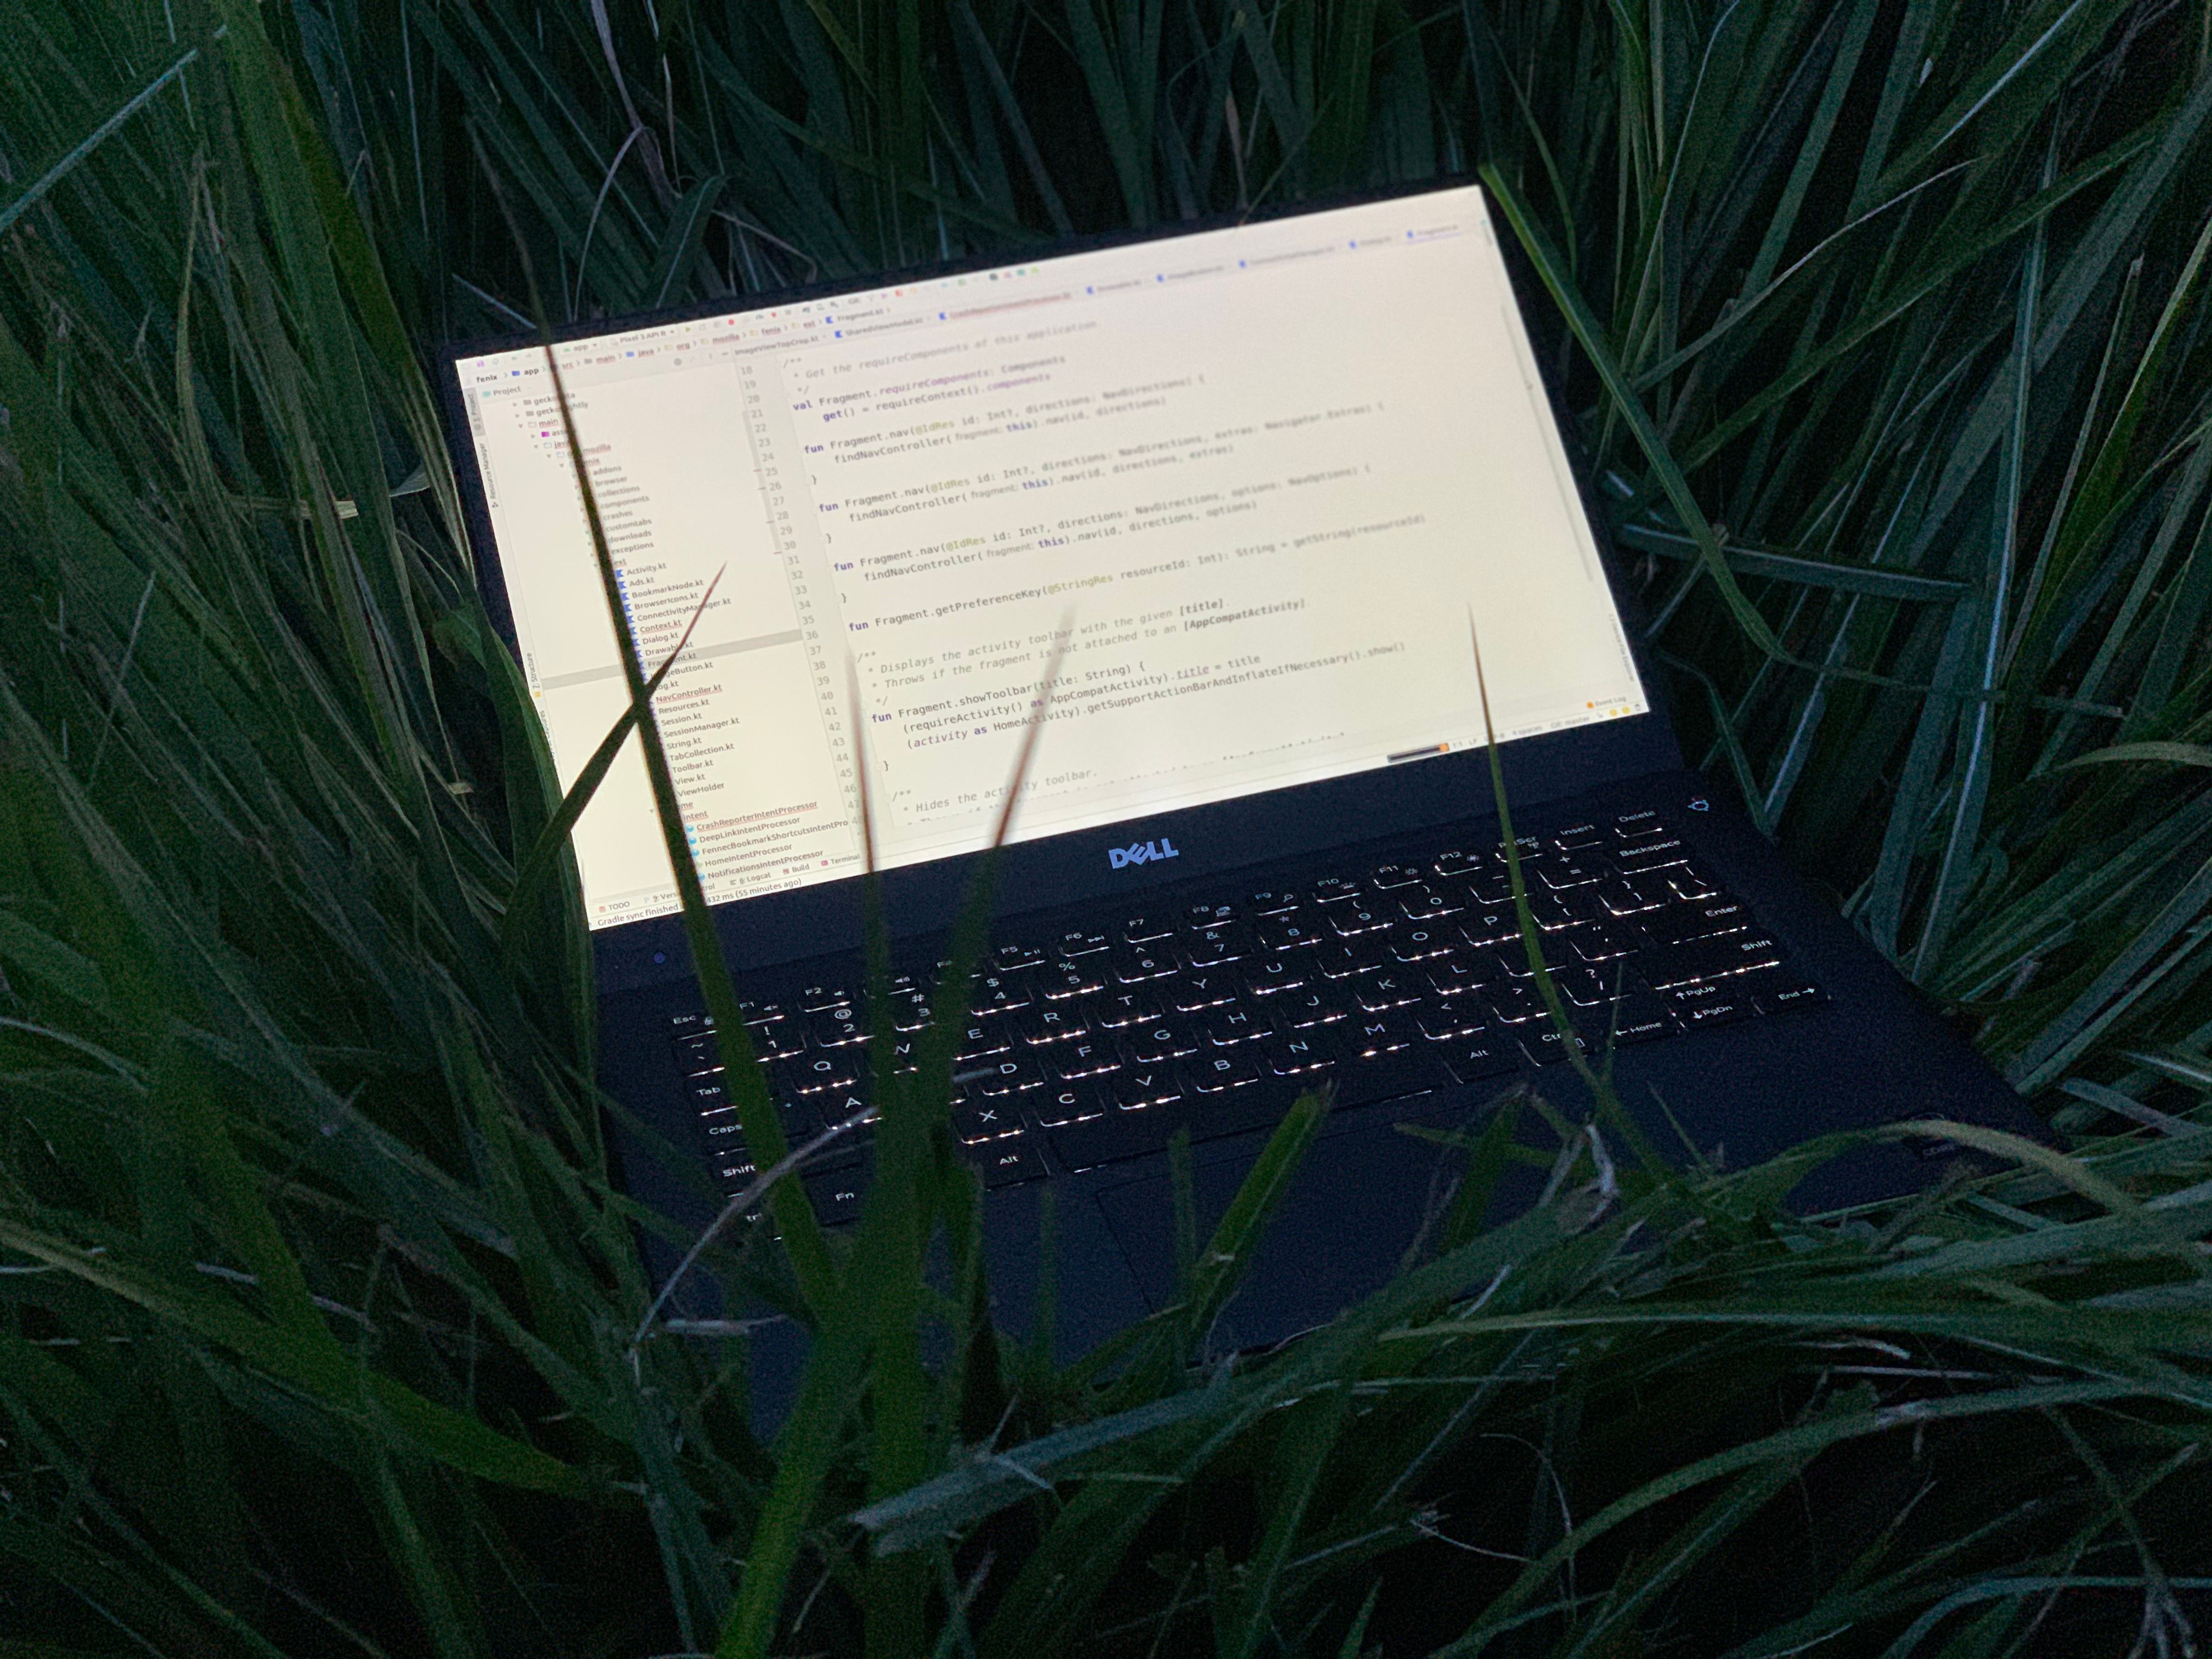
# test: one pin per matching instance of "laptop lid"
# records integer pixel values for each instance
(1256, 478)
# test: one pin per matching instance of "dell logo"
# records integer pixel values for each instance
(1143, 852)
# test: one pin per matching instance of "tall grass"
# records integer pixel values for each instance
(321, 1329)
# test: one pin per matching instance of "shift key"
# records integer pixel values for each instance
(1708, 958)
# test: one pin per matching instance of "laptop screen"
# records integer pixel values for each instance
(1255, 480)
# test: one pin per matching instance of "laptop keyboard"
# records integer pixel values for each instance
(1096, 1044)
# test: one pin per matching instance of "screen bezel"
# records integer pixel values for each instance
(1070, 867)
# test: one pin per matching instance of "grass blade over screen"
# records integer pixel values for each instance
(746, 1080)
(545, 853)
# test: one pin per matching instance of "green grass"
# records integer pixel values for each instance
(321, 1330)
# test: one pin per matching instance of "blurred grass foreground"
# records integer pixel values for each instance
(321, 1329)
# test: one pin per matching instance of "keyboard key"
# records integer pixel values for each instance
(1585, 987)
(1472, 1059)
(973, 1126)
(1427, 904)
(1390, 1074)
(1302, 1011)
(834, 1068)
(1274, 901)
(995, 1079)
(1195, 991)
(1554, 912)
(1067, 980)
(1531, 847)
(695, 1055)
(1639, 1017)
(836, 1196)
(725, 1136)
(909, 1009)
(1157, 1045)
(833, 1028)
(1143, 930)
(1117, 1010)
(1134, 964)
(1371, 952)
(1241, 1107)
(1052, 1023)
(1545, 1045)
(1295, 1055)
(1492, 889)
(1079, 942)
(1219, 1072)
(1571, 871)
(1515, 1003)
(1493, 926)
(1577, 836)
(1679, 924)
(1713, 1003)
(1115, 1138)
(1379, 992)
(1414, 944)
(1635, 895)
(1067, 1102)
(1200, 917)
(1708, 958)
(1601, 942)
(1356, 916)
(1511, 959)
(734, 1168)
(1293, 931)
(1335, 890)
(1691, 883)
(827, 1110)
(1639, 825)
(1787, 993)
(1209, 947)
(1135, 1088)
(1265, 977)
(1651, 854)
(1455, 976)
(983, 1038)
(1384, 876)
(1001, 993)
(1373, 1034)
(1446, 1021)
(784, 1040)
(1338, 961)
(1013, 958)
(1224, 1027)
(1088, 1057)
(1009, 1162)
(813, 999)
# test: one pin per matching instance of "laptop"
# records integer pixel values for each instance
(1258, 488)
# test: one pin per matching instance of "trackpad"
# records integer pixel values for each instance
(1356, 1207)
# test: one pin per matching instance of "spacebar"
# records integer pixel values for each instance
(1116, 1136)
(1260, 1105)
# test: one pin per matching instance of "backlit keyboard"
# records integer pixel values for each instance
(1096, 1043)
